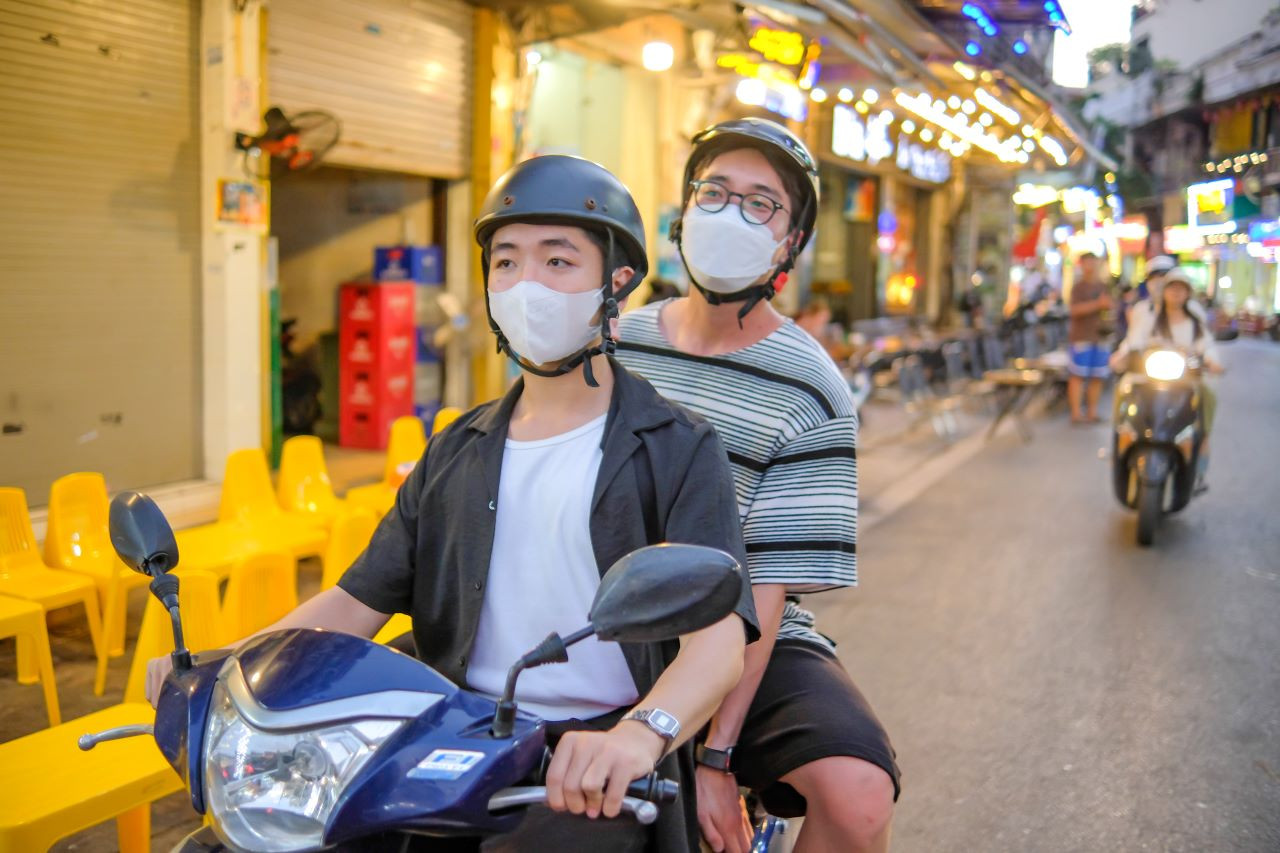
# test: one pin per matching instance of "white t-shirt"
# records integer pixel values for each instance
(1143, 332)
(543, 578)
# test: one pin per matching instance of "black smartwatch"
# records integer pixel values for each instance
(716, 759)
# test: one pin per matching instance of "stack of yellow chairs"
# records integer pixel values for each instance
(350, 536)
(404, 449)
(303, 484)
(23, 574)
(77, 539)
(262, 589)
(52, 789)
(250, 521)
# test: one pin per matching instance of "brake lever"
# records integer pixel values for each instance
(89, 741)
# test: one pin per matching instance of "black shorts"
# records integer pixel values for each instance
(806, 708)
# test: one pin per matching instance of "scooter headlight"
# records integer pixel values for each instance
(1165, 365)
(273, 791)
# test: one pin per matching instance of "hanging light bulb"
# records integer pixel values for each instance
(845, 95)
(908, 126)
(926, 135)
(871, 96)
(658, 56)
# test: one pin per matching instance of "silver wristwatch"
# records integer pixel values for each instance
(664, 724)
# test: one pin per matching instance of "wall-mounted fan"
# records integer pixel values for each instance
(293, 143)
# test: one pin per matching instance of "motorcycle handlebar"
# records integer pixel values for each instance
(643, 810)
(653, 787)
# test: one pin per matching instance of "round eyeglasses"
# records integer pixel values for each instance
(755, 208)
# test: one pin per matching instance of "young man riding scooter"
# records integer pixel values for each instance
(795, 728)
(501, 533)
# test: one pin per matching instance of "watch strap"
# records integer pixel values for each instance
(716, 759)
(651, 716)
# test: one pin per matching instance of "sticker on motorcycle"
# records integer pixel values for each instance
(446, 764)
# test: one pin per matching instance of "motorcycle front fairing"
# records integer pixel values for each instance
(182, 711)
(1157, 413)
(434, 775)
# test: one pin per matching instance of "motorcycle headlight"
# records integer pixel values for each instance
(1165, 365)
(273, 791)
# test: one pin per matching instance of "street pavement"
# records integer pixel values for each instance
(1051, 686)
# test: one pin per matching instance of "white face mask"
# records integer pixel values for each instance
(545, 325)
(725, 253)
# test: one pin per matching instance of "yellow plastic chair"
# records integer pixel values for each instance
(444, 417)
(77, 539)
(398, 624)
(24, 620)
(52, 789)
(303, 485)
(250, 521)
(351, 534)
(404, 449)
(263, 588)
(24, 575)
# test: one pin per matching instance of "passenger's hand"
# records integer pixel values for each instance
(721, 813)
(1117, 362)
(590, 771)
(157, 669)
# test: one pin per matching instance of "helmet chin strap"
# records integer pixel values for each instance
(607, 346)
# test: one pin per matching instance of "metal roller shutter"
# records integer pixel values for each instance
(394, 71)
(99, 242)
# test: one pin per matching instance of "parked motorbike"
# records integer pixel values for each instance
(304, 740)
(1158, 432)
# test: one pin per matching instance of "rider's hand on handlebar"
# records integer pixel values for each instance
(157, 669)
(721, 813)
(590, 771)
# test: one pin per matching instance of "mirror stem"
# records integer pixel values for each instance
(165, 588)
(554, 649)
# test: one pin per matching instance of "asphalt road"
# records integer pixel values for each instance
(1049, 685)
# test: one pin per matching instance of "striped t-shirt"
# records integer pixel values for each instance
(789, 425)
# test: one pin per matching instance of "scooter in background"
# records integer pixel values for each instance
(1157, 436)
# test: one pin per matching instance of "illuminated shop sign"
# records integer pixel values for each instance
(869, 141)
(781, 46)
(927, 164)
(1265, 232)
(1209, 206)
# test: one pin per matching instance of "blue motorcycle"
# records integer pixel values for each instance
(304, 740)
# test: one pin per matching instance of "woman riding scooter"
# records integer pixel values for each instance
(1173, 323)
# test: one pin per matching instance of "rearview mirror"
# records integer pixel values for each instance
(664, 591)
(141, 534)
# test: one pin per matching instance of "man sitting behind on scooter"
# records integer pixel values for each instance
(502, 531)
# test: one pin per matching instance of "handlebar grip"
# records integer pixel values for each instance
(655, 789)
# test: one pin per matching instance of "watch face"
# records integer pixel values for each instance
(664, 722)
